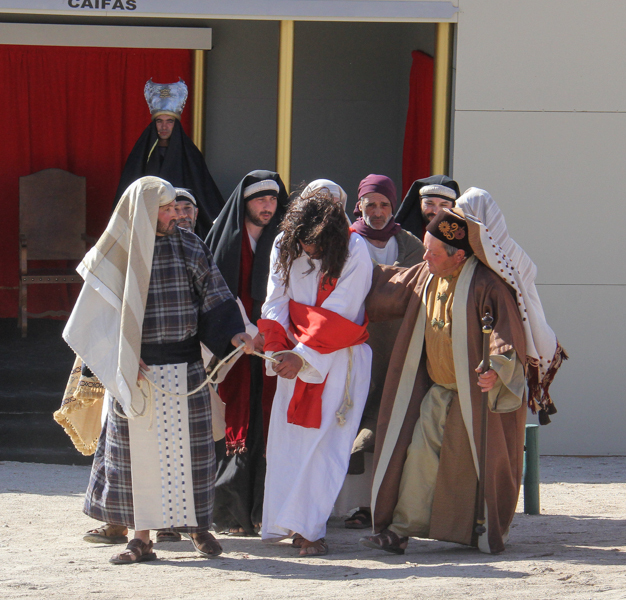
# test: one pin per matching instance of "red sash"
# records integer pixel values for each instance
(322, 330)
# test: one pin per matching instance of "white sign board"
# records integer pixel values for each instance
(357, 10)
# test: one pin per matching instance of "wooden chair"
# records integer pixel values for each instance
(52, 228)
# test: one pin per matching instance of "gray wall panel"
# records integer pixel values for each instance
(241, 97)
(351, 84)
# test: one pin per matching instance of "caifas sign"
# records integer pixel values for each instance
(104, 4)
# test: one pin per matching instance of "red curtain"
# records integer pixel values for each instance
(418, 130)
(78, 109)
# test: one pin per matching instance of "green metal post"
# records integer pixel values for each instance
(531, 471)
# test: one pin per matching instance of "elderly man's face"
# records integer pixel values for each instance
(431, 205)
(167, 219)
(164, 126)
(187, 214)
(259, 211)
(376, 210)
(437, 259)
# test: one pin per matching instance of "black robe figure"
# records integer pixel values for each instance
(180, 163)
(240, 478)
(409, 214)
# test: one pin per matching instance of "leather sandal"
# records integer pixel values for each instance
(167, 535)
(296, 540)
(386, 540)
(205, 543)
(361, 519)
(107, 534)
(136, 551)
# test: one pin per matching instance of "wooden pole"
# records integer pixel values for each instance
(197, 119)
(285, 102)
(440, 146)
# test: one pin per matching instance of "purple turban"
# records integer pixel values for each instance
(380, 184)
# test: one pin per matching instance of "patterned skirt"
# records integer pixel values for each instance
(109, 496)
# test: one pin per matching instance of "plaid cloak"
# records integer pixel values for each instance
(187, 297)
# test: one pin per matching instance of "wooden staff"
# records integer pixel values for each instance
(485, 365)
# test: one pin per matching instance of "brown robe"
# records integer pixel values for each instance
(382, 337)
(396, 292)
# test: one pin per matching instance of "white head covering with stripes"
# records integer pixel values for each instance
(506, 258)
(105, 326)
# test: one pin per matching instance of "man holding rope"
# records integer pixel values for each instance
(314, 325)
(152, 293)
(429, 427)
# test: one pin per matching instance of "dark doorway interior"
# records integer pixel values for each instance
(33, 375)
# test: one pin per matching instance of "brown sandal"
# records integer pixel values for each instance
(361, 519)
(136, 551)
(386, 540)
(205, 544)
(318, 547)
(107, 534)
(167, 535)
(297, 540)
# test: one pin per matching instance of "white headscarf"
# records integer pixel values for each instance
(506, 258)
(337, 192)
(105, 326)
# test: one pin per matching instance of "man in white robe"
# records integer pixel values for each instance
(322, 271)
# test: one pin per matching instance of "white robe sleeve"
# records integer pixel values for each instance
(276, 306)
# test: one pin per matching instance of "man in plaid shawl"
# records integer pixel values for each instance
(152, 293)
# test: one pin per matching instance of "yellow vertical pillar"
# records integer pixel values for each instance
(439, 158)
(285, 102)
(197, 120)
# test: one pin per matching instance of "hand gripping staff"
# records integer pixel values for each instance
(485, 365)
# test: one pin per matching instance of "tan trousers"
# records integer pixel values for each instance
(411, 517)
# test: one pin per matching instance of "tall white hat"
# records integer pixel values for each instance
(166, 98)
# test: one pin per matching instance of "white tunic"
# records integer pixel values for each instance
(386, 255)
(306, 467)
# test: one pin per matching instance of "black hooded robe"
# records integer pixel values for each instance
(409, 214)
(240, 479)
(183, 166)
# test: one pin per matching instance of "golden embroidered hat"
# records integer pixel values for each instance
(166, 98)
(450, 227)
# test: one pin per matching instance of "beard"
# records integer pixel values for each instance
(428, 216)
(185, 224)
(166, 229)
(259, 219)
(377, 225)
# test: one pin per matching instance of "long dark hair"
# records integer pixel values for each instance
(315, 219)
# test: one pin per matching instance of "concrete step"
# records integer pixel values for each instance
(36, 437)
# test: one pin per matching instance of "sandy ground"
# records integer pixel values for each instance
(576, 549)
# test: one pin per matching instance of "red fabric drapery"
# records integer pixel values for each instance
(418, 130)
(235, 390)
(78, 109)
